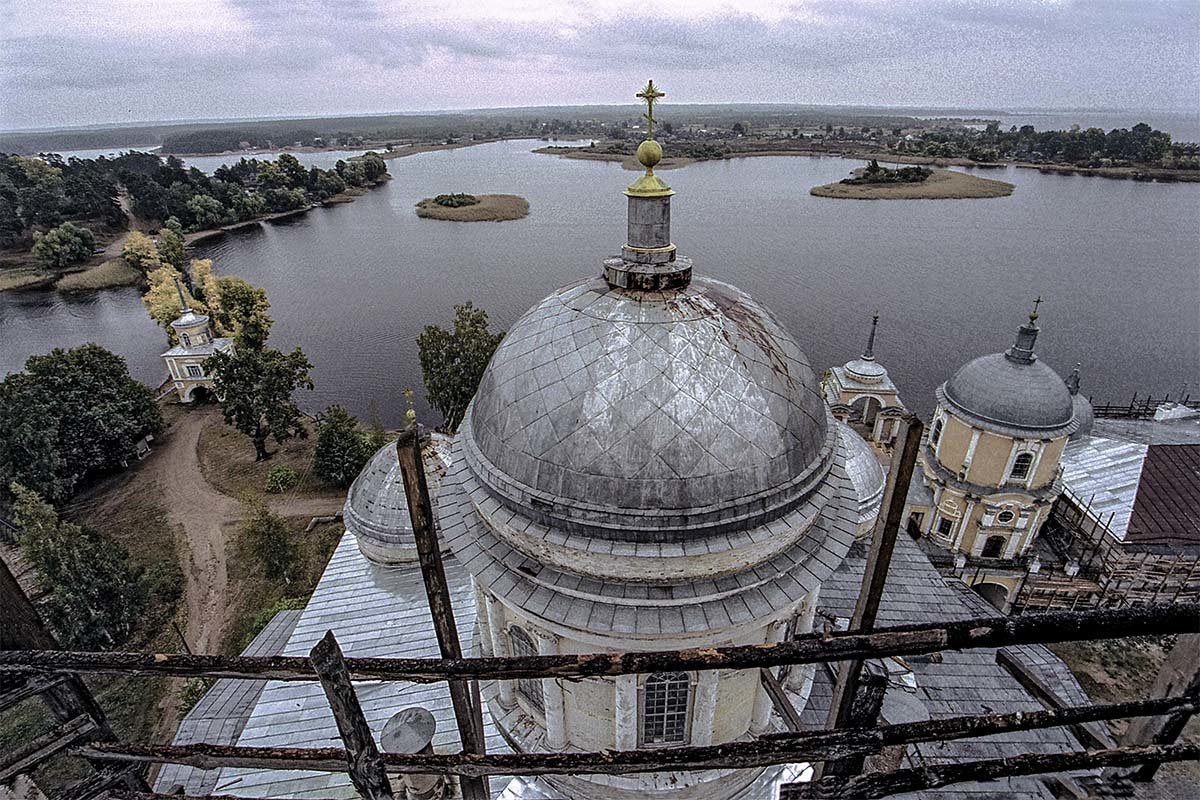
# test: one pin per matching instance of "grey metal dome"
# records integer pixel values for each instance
(994, 390)
(649, 413)
(1013, 392)
(376, 510)
(866, 475)
(1084, 415)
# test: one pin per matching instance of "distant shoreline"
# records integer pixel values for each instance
(1150, 174)
(941, 185)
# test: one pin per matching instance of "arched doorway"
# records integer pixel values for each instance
(865, 409)
(994, 593)
(200, 396)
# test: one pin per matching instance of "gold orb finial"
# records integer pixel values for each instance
(649, 152)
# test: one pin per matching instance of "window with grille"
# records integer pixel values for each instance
(194, 371)
(937, 433)
(945, 527)
(1020, 467)
(665, 699)
(529, 688)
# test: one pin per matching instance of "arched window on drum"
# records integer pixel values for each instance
(528, 688)
(666, 709)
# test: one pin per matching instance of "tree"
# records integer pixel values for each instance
(141, 253)
(342, 450)
(171, 249)
(162, 299)
(452, 362)
(68, 416)
(63, 246)
(293, 171)
(269, 540)
(238, 308)
(93, 592)
(255, 387)
(206, 212)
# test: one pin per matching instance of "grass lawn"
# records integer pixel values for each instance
(256, 598)
(114, 272)
(1121, 670)
(227, 460)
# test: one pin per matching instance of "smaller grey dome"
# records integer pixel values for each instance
(866, 370)
(1017, 398)
(1084, 415)
(866, 475)
(376, 510)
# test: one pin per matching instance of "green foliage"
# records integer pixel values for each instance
(171, 247)
(456, 200)
(46, 191)
(255, 387)
(94, 594)
(63, 246)
(206, 212)
(281, 478)
(452, 362)
(874, 174)
(192, 692)
(240, 310)
(269, 539)
(141, 253)
(68, 416)
(342, 450)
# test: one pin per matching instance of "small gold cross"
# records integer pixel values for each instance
(650, 94)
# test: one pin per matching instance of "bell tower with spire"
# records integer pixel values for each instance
(195, 342)
(860, 393)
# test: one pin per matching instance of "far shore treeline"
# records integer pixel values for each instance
(39, 195)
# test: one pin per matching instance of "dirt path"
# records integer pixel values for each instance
(206, 517)
(203, 513)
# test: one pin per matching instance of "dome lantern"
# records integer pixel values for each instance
(648, 261)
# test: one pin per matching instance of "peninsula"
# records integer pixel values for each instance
(473, 208)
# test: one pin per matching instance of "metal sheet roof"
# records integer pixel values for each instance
(1103, 475)
(221, 714)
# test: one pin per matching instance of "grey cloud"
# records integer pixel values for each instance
(964, 53)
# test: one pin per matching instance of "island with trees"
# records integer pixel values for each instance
(875, 182)
(461, 207)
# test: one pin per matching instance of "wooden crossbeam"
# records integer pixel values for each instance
(903, 640)
(779, 699)
(886, 784)
(781, 748)
(43, 747)
(363, 761)
(464, 694)
(32, 687)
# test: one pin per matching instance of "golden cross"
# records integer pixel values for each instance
(1036, 303)
(650, 94)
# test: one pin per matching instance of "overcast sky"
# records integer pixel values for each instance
(75, 62)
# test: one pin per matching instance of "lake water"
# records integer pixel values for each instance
(1117, 263)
